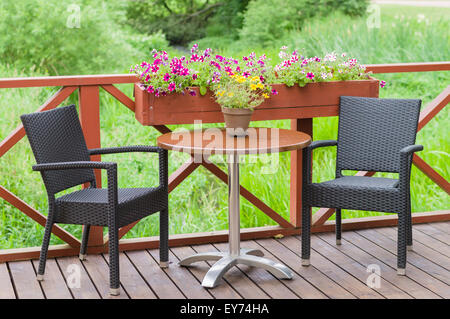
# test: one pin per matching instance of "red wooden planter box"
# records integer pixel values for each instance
(313, 100)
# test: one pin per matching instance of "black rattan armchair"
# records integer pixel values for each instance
(63, 159)
(374, 135)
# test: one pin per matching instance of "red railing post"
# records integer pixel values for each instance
(89, 101)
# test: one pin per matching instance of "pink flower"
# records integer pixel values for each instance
(150, 89)
(310, 75)
(274, 92)
(172, 86)
(194, 76)
(246, 74)
(382, 84)
(166, 77)
(192, 92)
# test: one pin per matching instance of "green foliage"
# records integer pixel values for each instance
(268, 20)
(180, 20)
(43, 35)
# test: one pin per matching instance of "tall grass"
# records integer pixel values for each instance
(200, 202)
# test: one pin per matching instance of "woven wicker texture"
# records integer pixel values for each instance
(58, 144)
(374, 135)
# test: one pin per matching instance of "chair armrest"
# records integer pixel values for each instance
(163, 158)
(322, 143)
(73, 165)
(307, 157)
(125, 149)
(405, 163)
(410, 149)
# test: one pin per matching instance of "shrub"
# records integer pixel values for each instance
(40, 34)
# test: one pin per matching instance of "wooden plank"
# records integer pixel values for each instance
(55, 100)
(360, 249)
(332, 253)
(90, 122)
(86, 290)
(424, 245)
(345, 280)
(183, 278)
(380, 221)
(120, 96)
(296, 174)
(388, 255)
(98, 271)
(131, 280)
(263, 279)
(38, 217)
(7, 291)
(223, 291)
(53, 285)
(431, 173)
(298, 284)
(155, 277)
(444, 227)
(433, 108)
(72, 80)
(434, 238)
(408, 67)
(235, 277)
(24, 278)
(311, 274)
(432, 266)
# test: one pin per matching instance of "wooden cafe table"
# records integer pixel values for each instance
(203, 143)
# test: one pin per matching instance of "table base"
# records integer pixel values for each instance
(225, 260)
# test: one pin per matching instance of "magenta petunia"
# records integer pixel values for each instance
(171, 87)
(274, 92)
(166, 77)
(382, 84)
(310, 75)
(192, 92)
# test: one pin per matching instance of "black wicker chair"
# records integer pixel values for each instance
(63, 159)
(374, 135)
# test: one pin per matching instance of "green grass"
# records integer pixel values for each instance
(200, 202)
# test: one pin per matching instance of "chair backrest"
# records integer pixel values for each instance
(372, 132)
(56, 136)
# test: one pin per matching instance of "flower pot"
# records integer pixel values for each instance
(237, 120)
(313, 100)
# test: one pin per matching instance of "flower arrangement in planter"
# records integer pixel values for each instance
(179, 90)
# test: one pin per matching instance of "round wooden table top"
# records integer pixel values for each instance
(259, 140)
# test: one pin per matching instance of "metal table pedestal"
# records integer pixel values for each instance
(235, 255)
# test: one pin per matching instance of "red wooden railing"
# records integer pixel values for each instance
(88, 89)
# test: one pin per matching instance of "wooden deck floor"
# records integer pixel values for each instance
(336, 272)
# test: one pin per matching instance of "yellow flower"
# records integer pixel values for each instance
(266, 96)
(230, 94)
(255, 78)
(253, 87)
(259, 86)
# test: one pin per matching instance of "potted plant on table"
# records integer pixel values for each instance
(238, 96)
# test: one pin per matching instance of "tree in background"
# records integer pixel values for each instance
(253, 21)
(180, 20)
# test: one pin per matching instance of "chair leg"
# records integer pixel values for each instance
(164, 238)
(306, 235)
(114, 273)
(338, 226)
(409, 243)
(44, 249)
(401, 243)
(84, 242)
